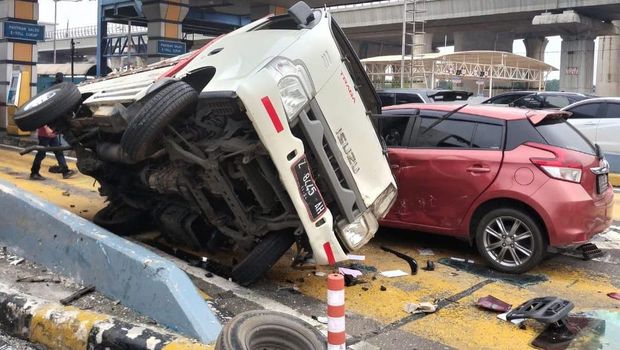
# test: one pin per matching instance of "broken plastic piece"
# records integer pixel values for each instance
(517, 321)
(424, 307)
(383, 289)
(413, 264)
(320, 273)
(17, 262)
(394, 273)
(614, 295)
(321, 319)
(461, 260)
(356, 257)
(492, 303)
(430, 266)
(426, 251)
(590, 251)
(345, 271)
(547, 310)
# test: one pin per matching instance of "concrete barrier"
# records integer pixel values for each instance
(121, 270)
(60, 327)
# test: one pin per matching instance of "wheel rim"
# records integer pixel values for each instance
(509, 241)
(40, 99)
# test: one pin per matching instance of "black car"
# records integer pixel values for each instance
(390, 97)
(537, 100)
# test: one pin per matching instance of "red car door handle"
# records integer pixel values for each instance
(478, 169)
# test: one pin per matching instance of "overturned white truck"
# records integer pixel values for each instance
(262, 138)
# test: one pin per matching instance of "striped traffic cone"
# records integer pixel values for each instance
(336, 335)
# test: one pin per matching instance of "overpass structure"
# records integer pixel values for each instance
(376, 29)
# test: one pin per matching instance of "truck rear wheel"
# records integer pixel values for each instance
(53, 103)
(142, 137)
(263, 329)
(262, 257)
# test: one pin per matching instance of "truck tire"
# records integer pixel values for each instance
(263, 329)
(264, 255)
(51, 104)
(142, 137)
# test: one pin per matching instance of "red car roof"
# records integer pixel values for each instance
(502, 113)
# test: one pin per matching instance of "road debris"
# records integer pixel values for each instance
(430, 266)
(38, 279)
(77, 295)
(17, 261)
(492, 303)
(320, 273)
(66, 194)
(426, 252)
(356, 257)
(394, 273)
(614, 295)
(517, 321)
(292, 289)
(469, 261)
(413, 264)
(520, 280)
(352, 272)
(383, 288)
(320, 319)
(418, 308)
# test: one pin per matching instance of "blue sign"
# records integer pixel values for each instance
(172, 48)
(24, 31)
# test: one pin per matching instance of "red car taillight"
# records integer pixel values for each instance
(561, 167)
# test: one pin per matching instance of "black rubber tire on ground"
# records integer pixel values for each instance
(263, 329)
(262, 257)
(51, 104)
(121, 219)
(142, 137)
(538, 243)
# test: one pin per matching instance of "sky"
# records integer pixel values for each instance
(84, 13)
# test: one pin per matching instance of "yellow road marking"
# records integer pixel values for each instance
(186, 344)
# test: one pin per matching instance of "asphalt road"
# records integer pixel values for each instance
(10, 343)
(375, 315)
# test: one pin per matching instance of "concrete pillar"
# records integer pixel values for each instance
(577, 63)
(165, 29)
(423, 43)
(535, 47)
(18, 50)
(608, 69)
(483, 40)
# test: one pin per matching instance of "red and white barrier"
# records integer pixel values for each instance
(336, 335)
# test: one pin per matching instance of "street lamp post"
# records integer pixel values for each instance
(55, 20)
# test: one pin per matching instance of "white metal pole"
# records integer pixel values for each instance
(403, 45)
(54, 43)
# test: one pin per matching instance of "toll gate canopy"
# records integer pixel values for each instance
(490, 71)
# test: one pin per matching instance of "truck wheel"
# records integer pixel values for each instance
(262, 257)
(510, 240)
(51, 104)
(142, 137)
(263, 329)
(121, 219)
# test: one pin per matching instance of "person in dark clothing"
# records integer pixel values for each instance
(49, 138)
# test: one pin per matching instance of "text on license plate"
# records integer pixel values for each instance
(308, 189)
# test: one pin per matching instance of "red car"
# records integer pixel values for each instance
(514, 182)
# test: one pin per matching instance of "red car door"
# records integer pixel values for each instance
(444, 169)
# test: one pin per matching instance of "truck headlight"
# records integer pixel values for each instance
(360, 231)
(294, 84)
(384, 202)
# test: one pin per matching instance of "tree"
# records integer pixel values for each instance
(552, 85)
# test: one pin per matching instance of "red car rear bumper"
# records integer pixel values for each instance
(571, 215)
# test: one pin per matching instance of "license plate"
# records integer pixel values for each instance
(601, 183)
(308, 189)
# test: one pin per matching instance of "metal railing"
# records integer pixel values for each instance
(91, 31)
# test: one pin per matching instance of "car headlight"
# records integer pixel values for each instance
(384, 202)
(360, 231)
(294, 85)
